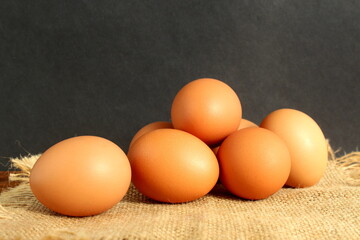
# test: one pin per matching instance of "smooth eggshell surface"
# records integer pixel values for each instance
(254, 163)
(81, 176)
(246, 124)
(171, 165)
(306, 143)
(207, 108)
(150, 127)
(243, 124)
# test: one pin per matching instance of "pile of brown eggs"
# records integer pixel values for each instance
(206, 141)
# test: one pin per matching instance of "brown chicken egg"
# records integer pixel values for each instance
(306, 143)
(254, 163)
(243, 124)
(246, 123)
(150, 127)
(81, 176)
(171, 165)
(207, 108)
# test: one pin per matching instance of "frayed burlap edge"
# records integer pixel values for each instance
(24, 165)
(349, 164)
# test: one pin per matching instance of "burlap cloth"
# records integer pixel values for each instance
(328, 210)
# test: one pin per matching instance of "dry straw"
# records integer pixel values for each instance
(328, 210)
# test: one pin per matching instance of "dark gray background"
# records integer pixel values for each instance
(107, 68)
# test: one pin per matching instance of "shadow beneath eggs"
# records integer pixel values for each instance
(134, 196)
(219, 191)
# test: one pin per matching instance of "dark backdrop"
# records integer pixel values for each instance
(107, 68)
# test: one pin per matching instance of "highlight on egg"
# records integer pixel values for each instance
(81, 176)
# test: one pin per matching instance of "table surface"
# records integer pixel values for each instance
(4, 180)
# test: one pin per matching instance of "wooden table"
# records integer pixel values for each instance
(4, 180)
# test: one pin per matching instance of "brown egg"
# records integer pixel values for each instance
(306, 143)
(246, 123)
(254, 163)
(207, 108)
(150, 127)
(243, 124)
(81, 176)
(171, 165)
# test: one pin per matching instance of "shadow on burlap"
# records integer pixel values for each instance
(328, 210)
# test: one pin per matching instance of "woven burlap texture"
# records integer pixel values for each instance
(328, 210)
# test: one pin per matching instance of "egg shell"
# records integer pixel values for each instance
(207, 108)
(81, 176)
(254, 163)
(306, 143)
(171, 165)
(243, 124)
(150, 127)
